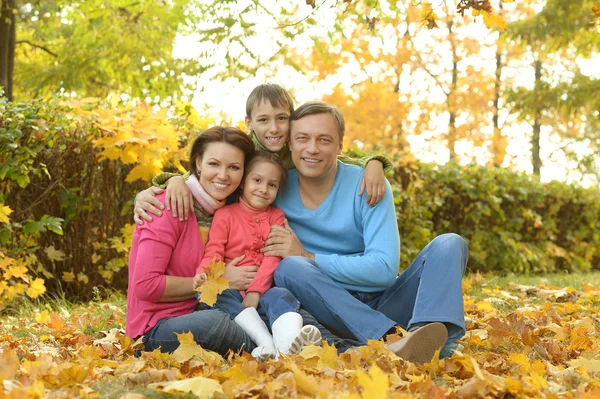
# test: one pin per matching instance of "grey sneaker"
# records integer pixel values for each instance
(420, 345)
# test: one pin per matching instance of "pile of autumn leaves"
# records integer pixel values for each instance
(523, 341)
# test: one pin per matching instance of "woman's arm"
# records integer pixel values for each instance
(156, 244)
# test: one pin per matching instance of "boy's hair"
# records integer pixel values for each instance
(275, 94)
(320, 107)
(220, 134)
(271, 157)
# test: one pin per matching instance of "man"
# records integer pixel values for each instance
(341, 256)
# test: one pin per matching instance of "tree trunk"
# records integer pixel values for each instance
(7, 46)
(535, 140)
(452, 135)
(498, 142)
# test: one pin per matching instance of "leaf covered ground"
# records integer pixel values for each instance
(531, 338)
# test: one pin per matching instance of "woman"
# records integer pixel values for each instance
(165, 253)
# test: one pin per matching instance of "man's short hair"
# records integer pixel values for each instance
(320, 107)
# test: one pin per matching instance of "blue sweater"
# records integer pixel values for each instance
(358, 246)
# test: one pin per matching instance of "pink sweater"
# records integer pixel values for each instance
(164, 247)
(239, 229)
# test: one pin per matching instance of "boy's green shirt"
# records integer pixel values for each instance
(160, 180)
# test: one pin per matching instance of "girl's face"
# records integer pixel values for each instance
(221, 169)
(271, 125)
(261, 185)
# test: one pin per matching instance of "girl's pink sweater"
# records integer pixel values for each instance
(239, 229)
(165, 247)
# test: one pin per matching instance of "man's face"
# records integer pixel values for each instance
(315, 144)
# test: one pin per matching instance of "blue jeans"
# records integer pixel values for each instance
(429, 290)
(213, 329)
(273, 303)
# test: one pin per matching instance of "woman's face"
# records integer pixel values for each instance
(221, 169)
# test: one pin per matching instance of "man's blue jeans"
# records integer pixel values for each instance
(272, 304)
(429, 290)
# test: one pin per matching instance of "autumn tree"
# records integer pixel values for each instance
(97, 47)
(561, 103)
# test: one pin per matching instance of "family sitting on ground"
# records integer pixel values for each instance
(311, 253)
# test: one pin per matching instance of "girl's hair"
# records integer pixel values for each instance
(275, 94)
(220, 134)
(271, 157)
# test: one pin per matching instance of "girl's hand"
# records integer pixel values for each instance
(251, 299)
(374, 181)
(146, 202)
(239, 277)
(198, 279)
(179, 198)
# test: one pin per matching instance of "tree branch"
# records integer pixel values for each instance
(37, 46)
(303, 19)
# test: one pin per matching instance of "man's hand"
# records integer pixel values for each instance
(374, 181)
(283, 242)
(239, 277)
(146, 202)
(179, 198)
(198, 279)
(251, 299)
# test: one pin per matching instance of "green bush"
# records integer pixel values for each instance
(511, 221)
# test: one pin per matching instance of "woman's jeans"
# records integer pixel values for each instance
(429, 290)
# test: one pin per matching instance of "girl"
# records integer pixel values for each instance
(242, 229)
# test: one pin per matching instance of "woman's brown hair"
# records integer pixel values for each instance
(220, 134)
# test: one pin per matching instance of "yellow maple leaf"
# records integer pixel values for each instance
(43, 317)
(17, 271)
(68, 277)
(4, 212)
(201, 387)
(329, 355)
(189, 348)
(590, 365)
(428, 17)
(493, 20)
(36, 288)
(9, 364)
(142, 172)
(514, 385)
(375, 384)
(214, 284)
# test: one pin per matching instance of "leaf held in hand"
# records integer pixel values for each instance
(214, 284)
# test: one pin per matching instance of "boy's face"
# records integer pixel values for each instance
(271, 125)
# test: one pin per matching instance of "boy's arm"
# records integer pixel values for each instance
(161, 179)
(388, 166)
(264, 277)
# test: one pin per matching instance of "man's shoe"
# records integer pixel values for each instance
(420, 345)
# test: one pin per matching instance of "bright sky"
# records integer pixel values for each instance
(227, 98)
